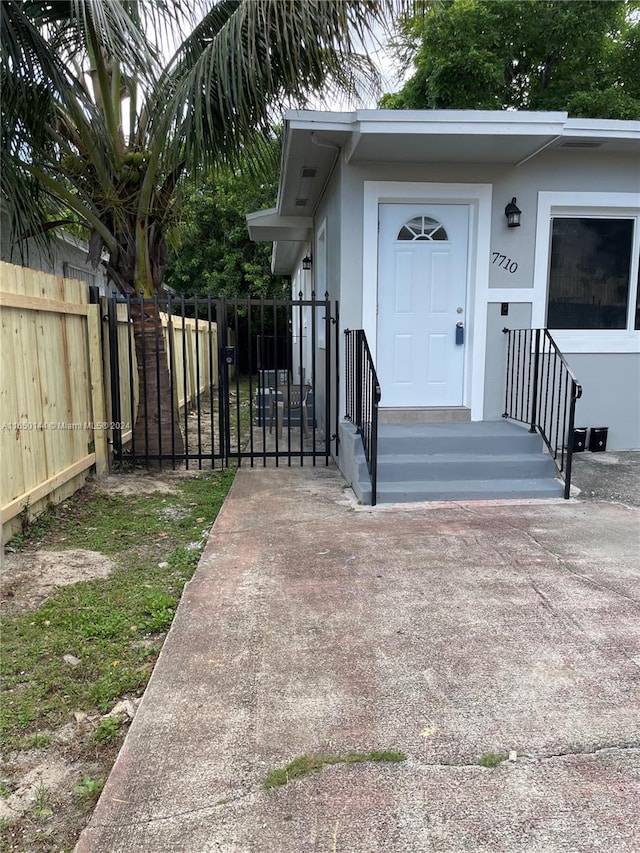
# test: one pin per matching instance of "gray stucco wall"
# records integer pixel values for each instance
(329, 212)
(519, 317)
(611, 382)
(557, 171)
(610, 396)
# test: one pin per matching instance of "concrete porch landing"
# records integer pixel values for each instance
(445, 631)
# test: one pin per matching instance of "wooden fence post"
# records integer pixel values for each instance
(98, 407)
(106, 379)
(190, 367)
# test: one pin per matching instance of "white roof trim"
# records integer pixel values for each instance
(600, 127)
(444, 122)
(268, 225)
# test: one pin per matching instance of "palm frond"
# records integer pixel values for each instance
(248, 58)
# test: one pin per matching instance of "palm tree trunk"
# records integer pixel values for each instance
(157, 428)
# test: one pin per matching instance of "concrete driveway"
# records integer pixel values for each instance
(448, 632)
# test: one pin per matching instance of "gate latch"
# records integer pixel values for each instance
(459, 333)
(229, 355)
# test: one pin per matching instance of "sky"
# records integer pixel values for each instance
(390, 80)
(374, 47)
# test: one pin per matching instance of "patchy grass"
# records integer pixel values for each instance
(107, 731)
(492, 759)
(307, 764)
(101, 622)
(114, 524)
(114, 626)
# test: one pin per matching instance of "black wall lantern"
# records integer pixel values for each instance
(306, 262)
(512, 212)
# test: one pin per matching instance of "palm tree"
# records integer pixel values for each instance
(98, 124)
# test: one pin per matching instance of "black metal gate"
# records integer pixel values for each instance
(202, 382)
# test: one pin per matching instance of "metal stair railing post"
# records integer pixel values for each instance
(362, 398)
(550, 394)
(536, 372)
(359, 367)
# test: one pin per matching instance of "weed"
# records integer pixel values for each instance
(89, 789)
(38, 740)
(33, 527)
(114, 624)
(107, 731)
(491, 759)
(25, 517)
(42, 801)
(306, 764)
(5, 790)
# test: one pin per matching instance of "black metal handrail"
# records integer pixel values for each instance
(541, 390)
(363, 395)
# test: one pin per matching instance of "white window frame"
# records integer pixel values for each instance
(596, 205)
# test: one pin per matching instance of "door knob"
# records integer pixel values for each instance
(459, 333)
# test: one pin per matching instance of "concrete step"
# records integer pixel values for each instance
(463, 466)
(461, 490)
(462, 461)
(476, 437)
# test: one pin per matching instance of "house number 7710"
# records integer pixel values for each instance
(504, 262)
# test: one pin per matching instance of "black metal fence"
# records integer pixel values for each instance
(541, 391)
(203, 381)
(362, 398)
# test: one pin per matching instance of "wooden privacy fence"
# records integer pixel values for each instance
(193, 346)
(56, 376)
(117, 344)
(52, 404)
(193, 343)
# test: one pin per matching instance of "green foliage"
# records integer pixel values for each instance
(89, 789)
(63, 149)
(583, 57)
(42, 801)
(610, 103)
(491, 759)
(107, 731)
(306, 764)
(38, 741)
(214, 255)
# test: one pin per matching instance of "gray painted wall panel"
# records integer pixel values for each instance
(519, 317)
(53, 261)
(610, 396)
(329, 209)
(558, 171)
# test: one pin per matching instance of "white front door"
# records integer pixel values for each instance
(422, 284)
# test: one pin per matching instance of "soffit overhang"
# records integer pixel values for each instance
(313, 141)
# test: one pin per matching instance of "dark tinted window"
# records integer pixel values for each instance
(589, 273)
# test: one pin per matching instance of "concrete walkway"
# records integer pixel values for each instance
(447, 632)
